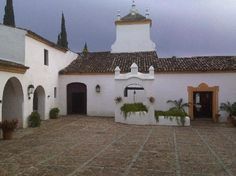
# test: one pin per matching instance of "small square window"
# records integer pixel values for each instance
(45, 57)
(55, 92)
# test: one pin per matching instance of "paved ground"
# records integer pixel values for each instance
(99, 147)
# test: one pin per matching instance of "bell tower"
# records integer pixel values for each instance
(133, 33)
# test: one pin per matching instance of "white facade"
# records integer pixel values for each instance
(140, 86)
(98, 104)
(175, 86)
(167, 86)
(38, 74)
(43, 75)
(133, 38)
(133, 33)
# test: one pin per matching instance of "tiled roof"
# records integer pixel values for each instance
(197, 64)
(12, 64)
(105, 62)
(133, 17)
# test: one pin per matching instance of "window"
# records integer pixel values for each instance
(45, 57)
(55, 92)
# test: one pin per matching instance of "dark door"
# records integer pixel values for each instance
(202, 107)
(78, 103)
(76, 98)
(35, 101)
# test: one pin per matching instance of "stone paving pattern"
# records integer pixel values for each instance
(93, 146)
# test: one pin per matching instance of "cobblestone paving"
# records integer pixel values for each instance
(90, 146)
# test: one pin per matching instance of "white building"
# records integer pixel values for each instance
(27, 59)
(86, 84)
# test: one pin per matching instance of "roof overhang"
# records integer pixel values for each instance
(45, 41)
(13, 69)
(129, 22)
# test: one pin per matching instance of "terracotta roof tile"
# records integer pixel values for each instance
(133, 17)
(105, 62)
(196, 64)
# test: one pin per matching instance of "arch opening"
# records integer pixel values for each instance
(135, 93)
(13, 99)
(39, 101)
(76, 98)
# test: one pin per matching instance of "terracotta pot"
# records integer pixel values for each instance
(7, 134)
(229, 119)
(217, 117)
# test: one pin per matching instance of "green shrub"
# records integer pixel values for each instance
(134, 107)
(34, 120)
(172, 113)
(234, 109)
(54, 113)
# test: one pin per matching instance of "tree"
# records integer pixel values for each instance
(9, 18)
(62, 37)
(178, 104)
(85, 50)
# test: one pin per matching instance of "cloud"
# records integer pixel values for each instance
(180, 27)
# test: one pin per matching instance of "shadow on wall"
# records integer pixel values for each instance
(39, 101)
(12, 102)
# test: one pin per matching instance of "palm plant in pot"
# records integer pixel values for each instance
(178, 104)
(227, 107)
(233, 119)
(8, 127)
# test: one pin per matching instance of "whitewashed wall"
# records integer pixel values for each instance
(12, 44)
(133, 38)
(42, 75)
(174, 86)
(98, 104)
(39, 75)
(165, 87)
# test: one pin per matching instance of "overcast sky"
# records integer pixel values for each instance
(180, 27)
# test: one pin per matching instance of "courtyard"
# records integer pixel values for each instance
(94, 146)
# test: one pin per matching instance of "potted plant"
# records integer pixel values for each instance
(178, 104)
(217, 117)
(8, 126)
(129, 108)
(54, 113)
(233, 119)
(118, 100)
(227, 107)
(34, 120)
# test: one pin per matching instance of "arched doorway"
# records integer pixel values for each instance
(76, 98)
(39, 101)
(135, 93)
(13, 98)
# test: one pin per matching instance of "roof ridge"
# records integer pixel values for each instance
(195, 57)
